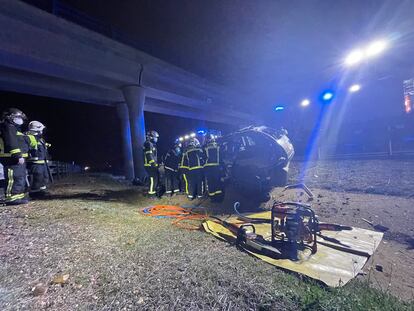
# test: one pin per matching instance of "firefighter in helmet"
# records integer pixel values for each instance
(151, 162)
(212, 169)
(13, 151)
(171, 166)
(192, 162)
(37, 162)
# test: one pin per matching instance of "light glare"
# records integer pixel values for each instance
(375, 48)
(305, 103)
(354, 88)
(327, 96)
(354, 57)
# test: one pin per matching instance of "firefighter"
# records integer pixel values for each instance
(37, 161)
(183, 169)
(171, 166)
(13, 151)
(212, 169)
(193, 163)
(151, 162)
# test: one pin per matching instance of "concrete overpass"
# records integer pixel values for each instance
(42, 54)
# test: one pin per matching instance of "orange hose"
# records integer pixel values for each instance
(182, 215)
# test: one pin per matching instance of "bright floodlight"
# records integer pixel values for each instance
(354, 57)
(181, 139)
(327, 96)
(375, 48)
(305, 103)
(354, 88)
(279, 108)
(187, 137)
(192, 135)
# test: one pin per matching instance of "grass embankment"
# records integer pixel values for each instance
(118, 259)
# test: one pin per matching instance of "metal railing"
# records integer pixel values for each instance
(60, 169)
(389, 149)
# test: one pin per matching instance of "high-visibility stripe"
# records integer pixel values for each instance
(8, 155)
(186, 183)
(9, 182)
(15, 197)
(39, 162)
(195, 167)
(15, 151)
(211, 164)
(150, 151)
(151, 189)
(33, 141)
(215, 193)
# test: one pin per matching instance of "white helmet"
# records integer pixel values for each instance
(36, 126)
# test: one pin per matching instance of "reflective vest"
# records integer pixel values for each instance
(150, 154)
(193, 159)
(212, 152)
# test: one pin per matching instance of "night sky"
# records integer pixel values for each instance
(272, 52)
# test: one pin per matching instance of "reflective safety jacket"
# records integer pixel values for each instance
(192, 159)
(212, 154)
(38, 153)
(171, 161)
(12, 141)
(150, 154)
(27, 145)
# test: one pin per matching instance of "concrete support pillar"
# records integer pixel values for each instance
(128, 167)
(135, 99)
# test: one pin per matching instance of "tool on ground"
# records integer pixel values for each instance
(293, 226)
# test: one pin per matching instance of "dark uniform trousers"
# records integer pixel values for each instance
(195, 182)
(172, 181)
(153, 176)
(39, 176)
(213, 179)
(15, 180)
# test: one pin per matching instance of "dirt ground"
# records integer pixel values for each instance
(380, 191)
(87, 247)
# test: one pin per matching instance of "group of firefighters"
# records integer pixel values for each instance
(189, 167)
(23, 156)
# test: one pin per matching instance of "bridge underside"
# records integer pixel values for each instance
(41, 54)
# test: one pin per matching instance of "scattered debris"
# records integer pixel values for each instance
(379, 268)
(60, 279)
(367, 221)
(39, 289)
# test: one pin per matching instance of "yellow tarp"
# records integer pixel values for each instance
(332, 266)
